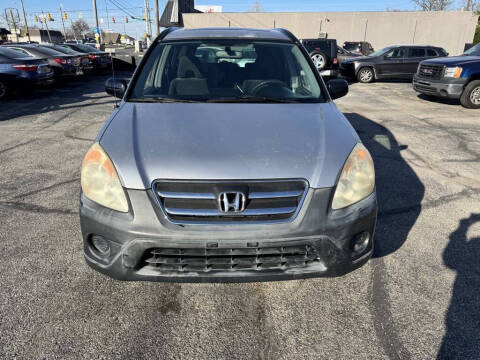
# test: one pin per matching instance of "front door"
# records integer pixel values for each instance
(391, 63)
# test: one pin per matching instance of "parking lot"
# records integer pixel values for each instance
(417, 298)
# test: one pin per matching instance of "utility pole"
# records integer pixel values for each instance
(108, 19)
(94, 3)
(25, 19)
(63, 23)
(365, 33)
(46, 25)
(157, 19)
(14, 24)
(74, 34)
(468, 5)
(148, 25)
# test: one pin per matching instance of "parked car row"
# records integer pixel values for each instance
(434, 74)
(24, 66)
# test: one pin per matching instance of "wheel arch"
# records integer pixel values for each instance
(368, 65)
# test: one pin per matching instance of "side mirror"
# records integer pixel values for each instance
(337, 88)
(116, 87)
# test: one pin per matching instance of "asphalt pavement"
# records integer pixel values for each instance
(418, 298)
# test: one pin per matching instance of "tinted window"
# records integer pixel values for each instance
(351, 47)
(227, 70)
(22, 51)
(431, 52)
(85, 48)
(396, 53)
(324, 46)
(416, 52)
(47, 51)
(473, 51)
(12, 54)
(64, 50)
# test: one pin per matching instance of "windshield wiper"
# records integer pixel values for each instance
(160, 99)
(254, 99)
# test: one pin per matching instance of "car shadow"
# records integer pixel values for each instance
(441, 100)
(399, 190)
(462, 254)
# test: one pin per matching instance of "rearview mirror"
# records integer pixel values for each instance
(337, 88)
(116, 87)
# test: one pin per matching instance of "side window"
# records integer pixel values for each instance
(431, 52)
(416, 52)
(397, 53)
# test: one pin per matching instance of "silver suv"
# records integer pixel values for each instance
(227, 160)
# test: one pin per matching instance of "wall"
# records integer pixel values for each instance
(449, 29)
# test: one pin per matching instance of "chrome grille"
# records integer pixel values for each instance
(428, 71)
(198, 201)
(230, 259)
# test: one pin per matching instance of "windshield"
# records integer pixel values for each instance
(473, 51)
(47, 51)
(83, 48)
(381, 51)
(227, 71)
(64, 50)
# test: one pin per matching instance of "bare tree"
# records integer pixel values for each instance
(8, 19)
(432, 5)
(472, 5)
(79, 27)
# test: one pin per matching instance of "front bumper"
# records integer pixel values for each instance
(446, 88)
(131, 235)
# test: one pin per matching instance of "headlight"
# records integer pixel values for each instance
(453, 72)
(100, 181)
(357, 179)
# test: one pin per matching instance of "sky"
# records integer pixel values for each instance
(108, 9)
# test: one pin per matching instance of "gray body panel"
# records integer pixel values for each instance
(203, 141)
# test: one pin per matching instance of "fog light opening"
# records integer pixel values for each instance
(361, 242)
(100, 244)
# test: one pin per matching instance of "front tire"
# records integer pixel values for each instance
(319, 59)
(471, 95)
(365, 75)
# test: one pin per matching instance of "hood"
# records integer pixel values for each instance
(202, 141)
(453, 60)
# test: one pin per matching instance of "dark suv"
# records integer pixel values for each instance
(324, 55)
(358, 47)
(393, 62)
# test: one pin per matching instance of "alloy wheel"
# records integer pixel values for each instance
(475, 96)
(318, 60)
(366, 75)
